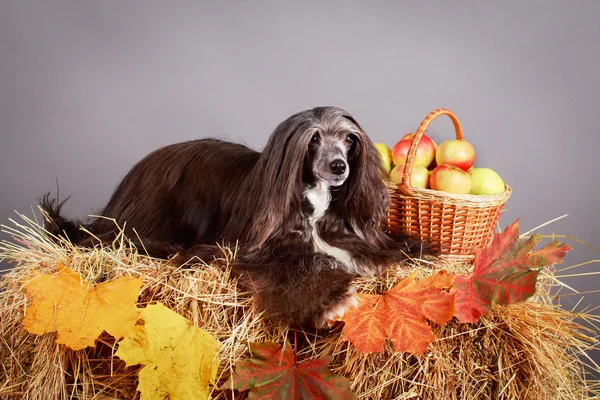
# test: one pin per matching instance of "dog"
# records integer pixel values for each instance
(306, 213)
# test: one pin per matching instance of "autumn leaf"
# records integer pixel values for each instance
(179, 359)
(401, 314)
(273, 373)
(504, 273)
(78, 310)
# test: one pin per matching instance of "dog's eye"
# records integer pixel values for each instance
(314, 138)
(349, 140)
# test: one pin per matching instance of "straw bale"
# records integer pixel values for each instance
(532, 350)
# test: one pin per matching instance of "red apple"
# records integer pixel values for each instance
(458, 153)
(424, 155)
(418, 178)
(450, 179)
(410, 136)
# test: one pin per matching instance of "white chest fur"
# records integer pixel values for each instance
(320, 197)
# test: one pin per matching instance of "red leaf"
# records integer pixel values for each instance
(401, 314)
(273, 373)
(504, 273)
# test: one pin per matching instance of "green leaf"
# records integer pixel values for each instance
(273, 373)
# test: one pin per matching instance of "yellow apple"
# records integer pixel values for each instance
(450, 179)
(458, 153)
(386, 156)
(418, 178)
(486, 181)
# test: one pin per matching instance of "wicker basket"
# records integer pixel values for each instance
(457, 225)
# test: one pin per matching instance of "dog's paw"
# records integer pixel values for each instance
(336, 312)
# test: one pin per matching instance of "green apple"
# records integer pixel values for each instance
(386, 156)
(486, 181)
(418, 178)
(450, 179)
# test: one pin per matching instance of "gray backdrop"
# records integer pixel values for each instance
(88, 88)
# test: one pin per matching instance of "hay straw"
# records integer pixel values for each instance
(532, 350)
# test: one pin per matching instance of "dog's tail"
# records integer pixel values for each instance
(57, 224)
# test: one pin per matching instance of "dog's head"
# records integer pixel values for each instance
(332, 144)
(325, 144)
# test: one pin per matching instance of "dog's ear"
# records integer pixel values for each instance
(275, 183)
(364, 198)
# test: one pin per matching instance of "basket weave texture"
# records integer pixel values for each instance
(458, 225)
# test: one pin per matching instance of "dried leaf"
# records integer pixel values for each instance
(273, 373)
(179, 359)
(504, 273)
(78, 310)
(401, 314)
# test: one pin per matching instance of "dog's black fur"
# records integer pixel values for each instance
(189, 197)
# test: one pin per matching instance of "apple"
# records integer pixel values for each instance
(424, 155)
(486, 181)
(450, 179)
(410, 136)
(386, 156)
(458, 153)
(425, 138)
(418, 178)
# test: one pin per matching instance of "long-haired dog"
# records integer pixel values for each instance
(306, 213)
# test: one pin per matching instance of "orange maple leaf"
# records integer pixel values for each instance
(78, 310)
(401, 314)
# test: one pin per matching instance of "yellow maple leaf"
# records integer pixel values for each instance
(78, 310)
(179, 359)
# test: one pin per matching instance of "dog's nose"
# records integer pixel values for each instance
(338, 167)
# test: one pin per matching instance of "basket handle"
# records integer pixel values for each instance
(412, 151)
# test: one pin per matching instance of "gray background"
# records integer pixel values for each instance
(88, 88)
